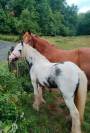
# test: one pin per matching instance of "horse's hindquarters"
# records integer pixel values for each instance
(84, 58)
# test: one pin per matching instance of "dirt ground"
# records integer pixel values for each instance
(4, 48)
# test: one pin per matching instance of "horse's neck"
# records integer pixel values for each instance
(42, 45)
(35, 55)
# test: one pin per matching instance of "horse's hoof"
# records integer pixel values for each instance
(43, 101)
(76, 132)
(36, 107)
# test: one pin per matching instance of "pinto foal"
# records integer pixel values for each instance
(64, 76)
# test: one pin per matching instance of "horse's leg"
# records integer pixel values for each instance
(74, 115)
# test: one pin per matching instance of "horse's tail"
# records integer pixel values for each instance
(80, 98)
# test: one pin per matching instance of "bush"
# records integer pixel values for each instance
(11, 95)
(8, 81)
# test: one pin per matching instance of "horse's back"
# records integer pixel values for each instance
(59, 55)
(84, 59)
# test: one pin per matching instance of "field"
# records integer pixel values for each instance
(70, 42)
(16, 112)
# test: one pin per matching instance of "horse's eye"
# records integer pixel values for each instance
(20, 51)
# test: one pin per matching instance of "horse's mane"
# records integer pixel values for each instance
(42, 41)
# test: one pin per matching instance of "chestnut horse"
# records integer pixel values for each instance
(80, 56)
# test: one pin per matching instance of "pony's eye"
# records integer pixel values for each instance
(21, 43)
(20, 51)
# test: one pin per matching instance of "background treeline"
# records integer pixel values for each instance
(45, 17)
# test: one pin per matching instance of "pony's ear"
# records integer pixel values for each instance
(12, 48)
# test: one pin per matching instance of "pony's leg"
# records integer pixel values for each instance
(74, 115)
(36, 96)
(36, 93)
(40, 88)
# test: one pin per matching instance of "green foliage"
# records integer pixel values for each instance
(10, 92)
(84, 24)
(27, 21)
(45, 17)
(7, 108)
(7, 22)
(8, 81)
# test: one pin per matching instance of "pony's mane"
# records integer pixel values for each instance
(35, 51)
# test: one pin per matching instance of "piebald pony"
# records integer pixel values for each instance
(65, 76)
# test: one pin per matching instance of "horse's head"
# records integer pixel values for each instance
(27, 37)
(31, 39)
(16, 52)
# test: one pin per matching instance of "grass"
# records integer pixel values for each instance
(70, 42)
(86, 123)
(59, 41)
(11, 38)
(50, 119)
(46, 120)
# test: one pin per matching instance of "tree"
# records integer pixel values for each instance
(47, 17)
(46, 20)
(7, 24)
(16, 6)
(84, 24)
(26, 22)
(70, 18)
(57, 5)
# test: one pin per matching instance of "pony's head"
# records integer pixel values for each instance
(16, 53)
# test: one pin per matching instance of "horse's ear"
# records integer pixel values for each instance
(29, 32)
(37, 36)
(23, 32)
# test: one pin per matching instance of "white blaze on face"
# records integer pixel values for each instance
(16, 52)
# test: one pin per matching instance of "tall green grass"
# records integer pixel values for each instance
(12, 38)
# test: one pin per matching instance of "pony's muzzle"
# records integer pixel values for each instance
(12, 58)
